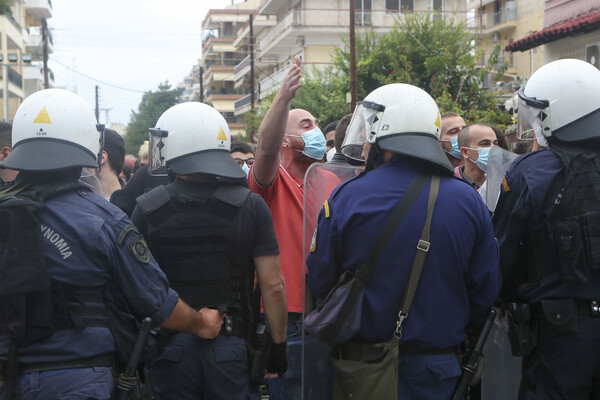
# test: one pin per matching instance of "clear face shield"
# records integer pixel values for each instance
(534, 119)
(364, 120)
(89, 176)
(157, 152)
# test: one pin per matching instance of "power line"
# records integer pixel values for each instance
(97, 80)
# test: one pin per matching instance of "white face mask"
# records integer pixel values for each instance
(246, 168)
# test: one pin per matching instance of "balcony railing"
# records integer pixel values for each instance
(245, 101)
(242, 64)
(504, 15)
(272, 81)
(15, 77)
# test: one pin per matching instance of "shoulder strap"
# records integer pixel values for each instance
(422, 249)
(392, 225)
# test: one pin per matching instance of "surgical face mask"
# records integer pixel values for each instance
(482, 157)
(454, 151)
(246, 168)
(314, 143)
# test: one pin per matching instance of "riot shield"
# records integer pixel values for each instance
(498, 162)
(319, 182)
(502, 373)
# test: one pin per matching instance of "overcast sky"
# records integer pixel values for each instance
(130, 44)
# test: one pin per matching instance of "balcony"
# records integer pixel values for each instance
(500, 21)
(39, 8)
(272, 82)
(34, 44)
(14, 77)
(260, 23)
(219, 73)
(223, 102)
(242, 106)
(316, 25)
(218, 44)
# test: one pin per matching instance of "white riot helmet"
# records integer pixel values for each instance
(54, 129)
(199, 141)
(400, 118)
(562, 100)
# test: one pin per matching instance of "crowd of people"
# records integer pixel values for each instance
(203, 235)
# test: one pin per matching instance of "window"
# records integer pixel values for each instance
(363, 4)
(392, 5)
(437, 5)
(407, 5)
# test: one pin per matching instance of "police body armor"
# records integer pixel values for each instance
(197, 241)
(573, 227)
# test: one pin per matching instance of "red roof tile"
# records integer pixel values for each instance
(581, 24)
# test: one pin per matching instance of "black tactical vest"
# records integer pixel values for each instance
(573, 228)
(198, 242)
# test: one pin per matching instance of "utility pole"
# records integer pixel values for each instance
(352, 59)
(97, 106)
(252, 83)
(45, 44)
(201, 84)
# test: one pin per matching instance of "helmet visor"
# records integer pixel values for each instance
(157, 151)
(356, 135)
(534, 118)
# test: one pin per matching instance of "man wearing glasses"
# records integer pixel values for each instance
(243, 154)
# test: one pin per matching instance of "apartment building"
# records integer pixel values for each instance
(500, 22)
(313, 30)
(21, 52)
(571, 29)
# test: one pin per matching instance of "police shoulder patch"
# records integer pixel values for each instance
(326, 207)
(313, 243)
(505, 184)
(139, 249)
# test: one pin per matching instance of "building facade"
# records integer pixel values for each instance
(571, 29)
(21, 35)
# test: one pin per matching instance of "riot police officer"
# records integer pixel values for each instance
(546, 222)
(399, 125)
(210, 235)
(87, 245)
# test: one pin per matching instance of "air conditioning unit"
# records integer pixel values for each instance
(592, 54)
(300, 41)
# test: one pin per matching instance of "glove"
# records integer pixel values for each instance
(277, 359)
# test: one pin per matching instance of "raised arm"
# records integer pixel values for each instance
(273, 127)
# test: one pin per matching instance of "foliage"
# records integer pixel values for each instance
(426, 50)
(435, 54)
(150, 109)
(5, 6)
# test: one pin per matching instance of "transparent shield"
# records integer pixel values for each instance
(498, 162)
(532, 121)
(157, 152)
(319, 182)
(502, 373)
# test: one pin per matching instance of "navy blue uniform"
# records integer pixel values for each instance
(186, 366)
(562, 366)
(81, 232)
(459, 282)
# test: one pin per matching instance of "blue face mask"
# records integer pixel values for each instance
(314, 143)
(482, 157)
(454, 151)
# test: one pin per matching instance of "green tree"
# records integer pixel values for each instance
(5, 6)
(436, 54)
(150, 109)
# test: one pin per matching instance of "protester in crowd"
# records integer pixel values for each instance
(111, 163)
(288, 143)
(7, 176)
(452, 123)
(475, 142)
(329, 133)
(243, 155)
(338, 139)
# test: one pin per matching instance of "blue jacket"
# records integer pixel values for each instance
(527, 197)
(81, 239)
(460, 278)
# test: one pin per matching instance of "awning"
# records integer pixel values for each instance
(581, 24)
